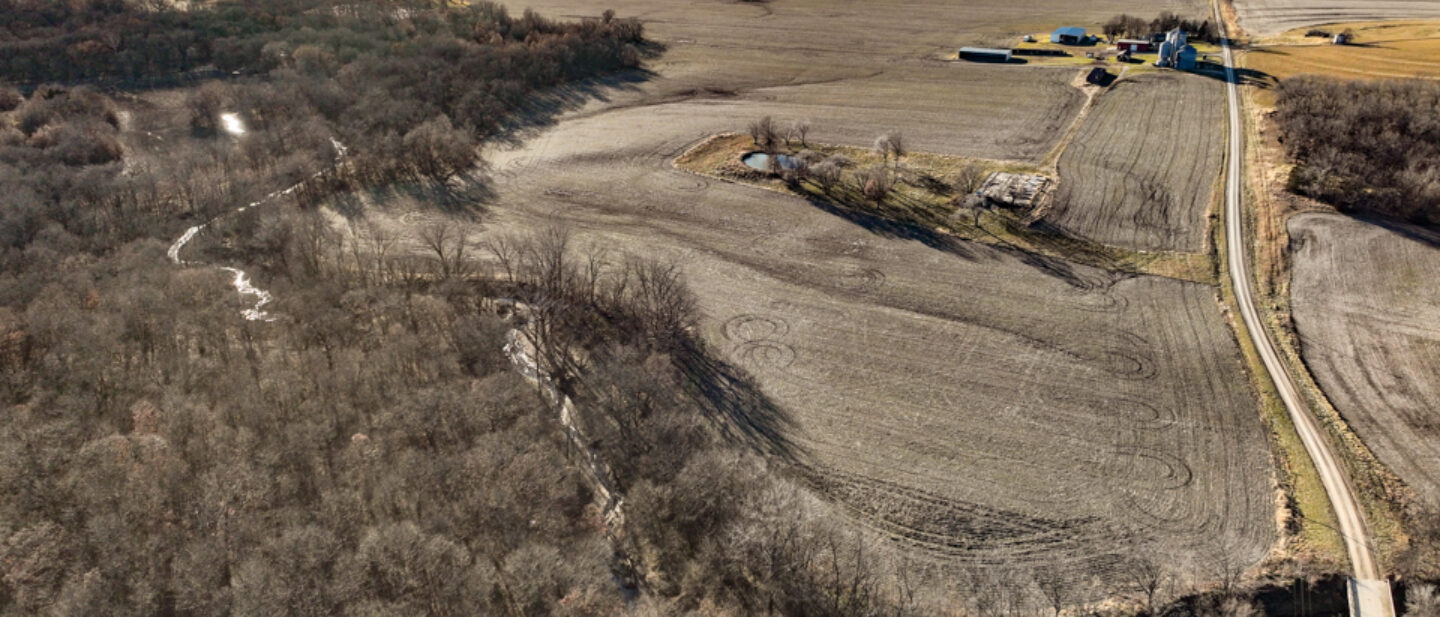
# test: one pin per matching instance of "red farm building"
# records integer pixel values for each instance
(1134, 45)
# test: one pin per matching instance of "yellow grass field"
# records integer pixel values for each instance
(1383, 50)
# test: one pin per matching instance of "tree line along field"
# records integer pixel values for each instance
(1267, 17)
(1365, 309)
(1141, 170)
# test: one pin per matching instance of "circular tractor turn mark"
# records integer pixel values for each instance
(764, 354)
(682, 182)
(863, 280)
(749, 328)
(1130, 356)
(1096, 300)
(756, 341)
(1150, 467)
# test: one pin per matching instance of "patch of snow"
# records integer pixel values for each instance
(242, 285)
(232, 123)
(242, 281)
(174, 252)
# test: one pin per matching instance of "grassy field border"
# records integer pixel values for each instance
(1382, 495)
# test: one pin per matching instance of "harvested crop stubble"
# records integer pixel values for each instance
(860, 69)
(1140, 172)
(1262, 17)
(982, 405)
(1382, 51)
(1368, 315)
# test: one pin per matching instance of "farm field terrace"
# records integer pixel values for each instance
(925, 205)
(983, 405)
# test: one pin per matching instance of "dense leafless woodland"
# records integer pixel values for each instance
(1367, 147)
(373, 451)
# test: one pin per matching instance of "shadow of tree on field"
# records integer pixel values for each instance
(1243, 76)
(465, 196)
(853, 208)
(745, 415)
(1410, 231)
(543, 109)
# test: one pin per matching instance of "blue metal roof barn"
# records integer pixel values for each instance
(1070, 35)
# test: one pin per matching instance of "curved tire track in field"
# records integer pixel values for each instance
(1140, 171)
(937, 524)
(757, 345)
(967, 396)
(863, 280)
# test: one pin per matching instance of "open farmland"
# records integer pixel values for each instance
(1385, 50)
(1141, 170)
(1368, 316)
(979, 404)
(982, 404)
(337, 316)
(857, 70)
(1266, 17)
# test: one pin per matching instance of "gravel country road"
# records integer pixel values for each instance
(1369, 592)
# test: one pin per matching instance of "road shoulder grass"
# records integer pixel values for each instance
(1380, 492)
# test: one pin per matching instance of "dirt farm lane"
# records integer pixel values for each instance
(1369, 592)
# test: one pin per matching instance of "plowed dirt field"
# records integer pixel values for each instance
(1141, 171)
(979, 404)
(1368, 314)
(1265, 17)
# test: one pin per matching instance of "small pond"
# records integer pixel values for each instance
(761, 161)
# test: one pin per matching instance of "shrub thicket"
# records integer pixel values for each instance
(1368, 147)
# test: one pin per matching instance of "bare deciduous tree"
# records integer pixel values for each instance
(763, 132)
(438, 150)
(1055, 586)
(1422, 601)
(1222, 562)
(826, 174)
(968, 179)
(801, 130)
(876, 183)
(449, 246)
(506, 250)
(1148, 577)
(891, 146)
